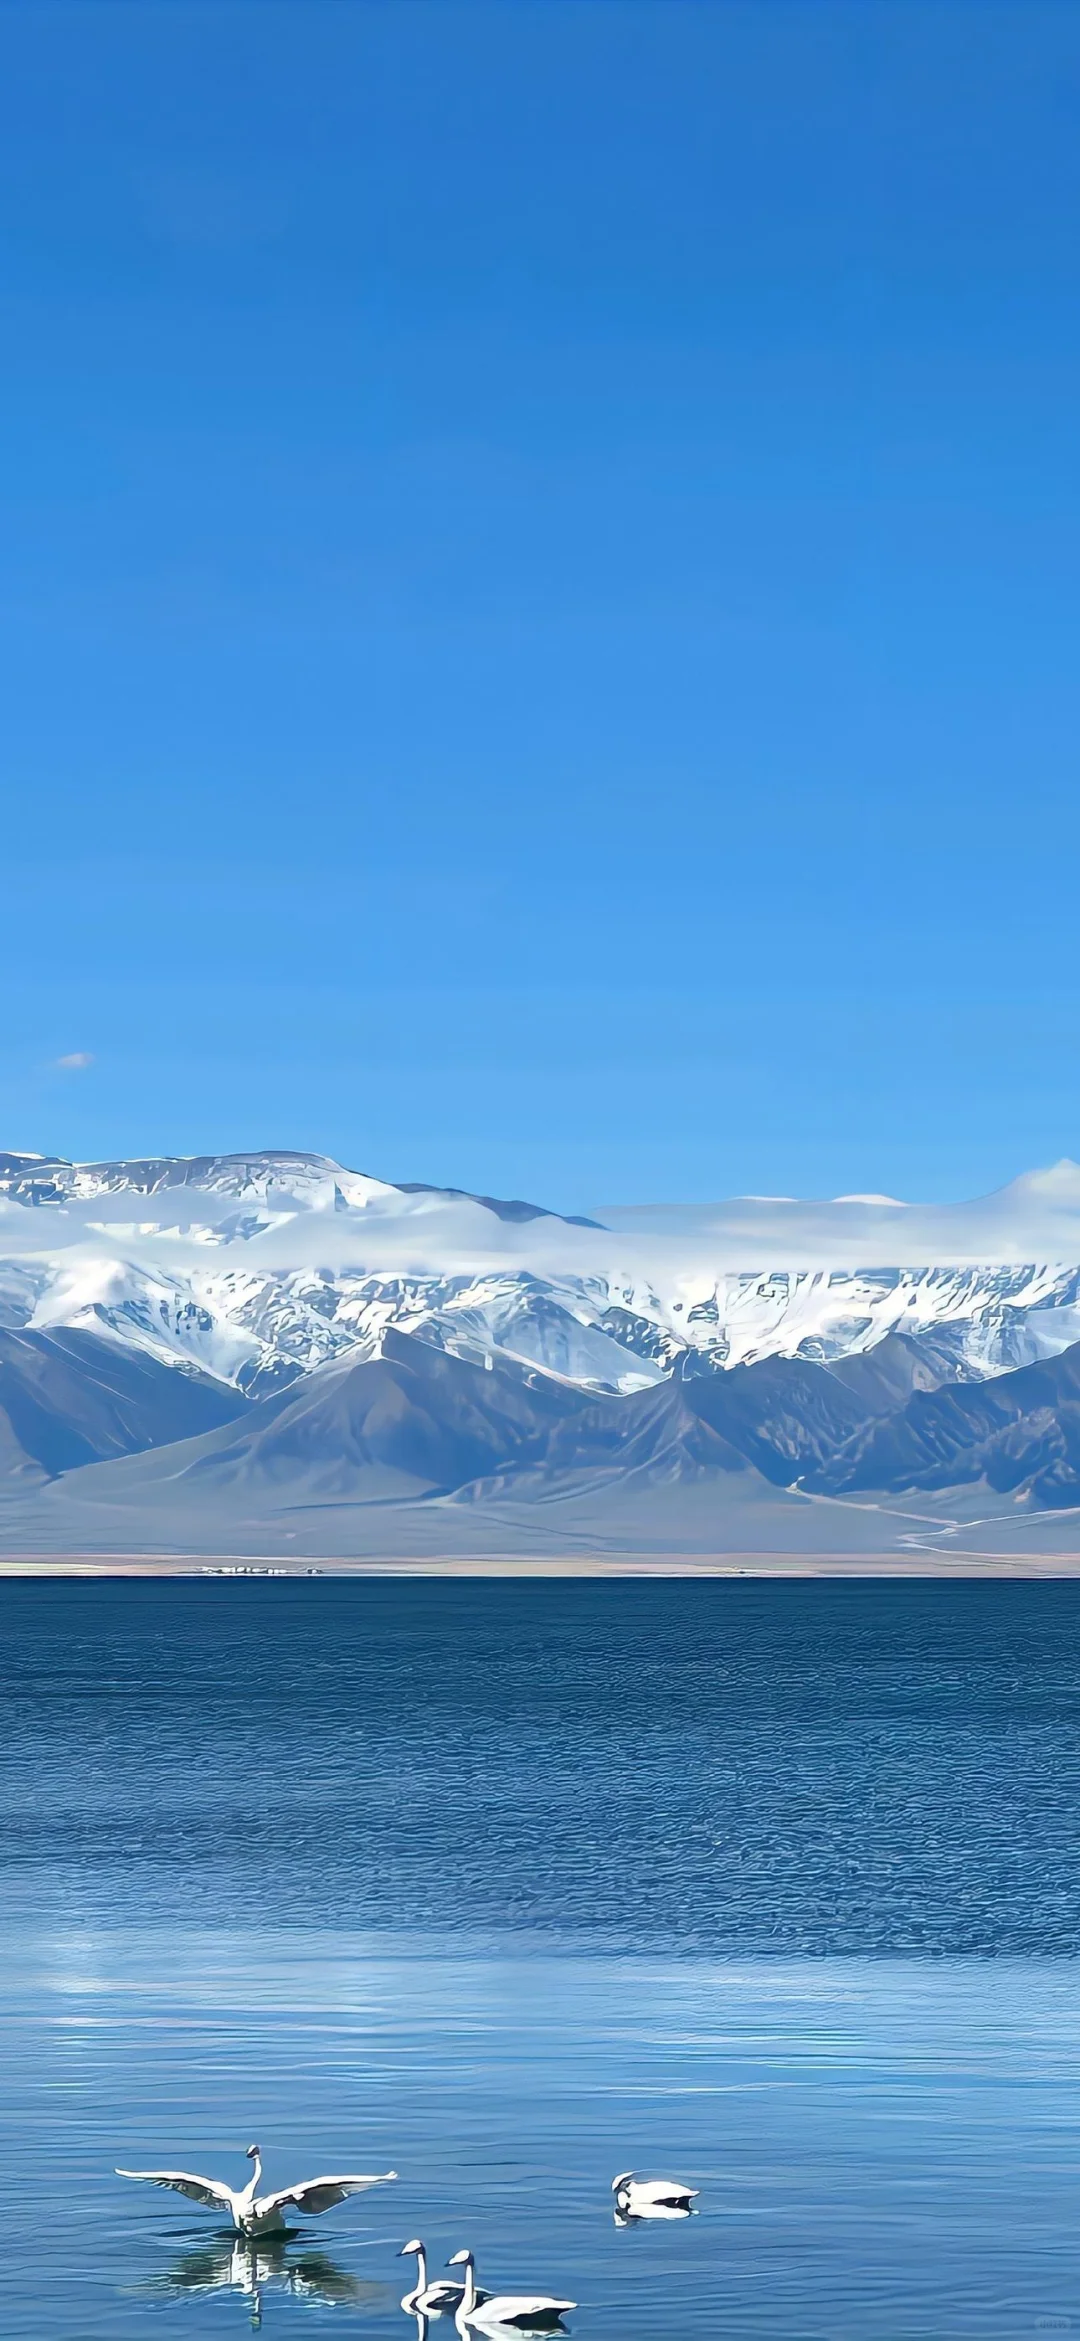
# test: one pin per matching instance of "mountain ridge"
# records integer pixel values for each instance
(276, 1332)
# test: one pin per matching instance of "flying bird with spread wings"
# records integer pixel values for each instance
(255, 2214)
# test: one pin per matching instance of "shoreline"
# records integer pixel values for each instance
(960, 1563)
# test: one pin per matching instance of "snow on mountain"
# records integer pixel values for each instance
(258, 1268)
(285, 1180)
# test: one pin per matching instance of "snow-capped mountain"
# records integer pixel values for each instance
(260, 1268)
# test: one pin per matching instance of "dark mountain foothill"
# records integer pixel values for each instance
(415, 1416)
(69, 1398)
(701, 1455)
(1015, 1431)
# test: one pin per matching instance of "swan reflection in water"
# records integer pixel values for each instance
(253, 2266)
(657, 2211)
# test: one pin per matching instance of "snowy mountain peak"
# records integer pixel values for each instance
(271, 1176)
(888, 1202)
(1058, 1184)
(276, 1177)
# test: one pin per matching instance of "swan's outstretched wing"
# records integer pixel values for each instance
(201, 2190)
(320, 2194)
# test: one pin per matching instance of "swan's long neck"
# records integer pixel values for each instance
(469, 2302)
(421, 2270)
(252, 2187)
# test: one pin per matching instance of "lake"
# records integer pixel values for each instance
(770, 1887)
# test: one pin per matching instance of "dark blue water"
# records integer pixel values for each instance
(774, 1887)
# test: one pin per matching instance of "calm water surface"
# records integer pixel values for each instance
(774, 1888)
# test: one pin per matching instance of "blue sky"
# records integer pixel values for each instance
(539, 572)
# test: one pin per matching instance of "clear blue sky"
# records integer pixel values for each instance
(539, 570)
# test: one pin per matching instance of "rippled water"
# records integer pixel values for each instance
(772, 1887)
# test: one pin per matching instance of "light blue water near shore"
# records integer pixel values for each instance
(774, 1888)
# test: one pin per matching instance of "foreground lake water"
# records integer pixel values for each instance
(772, 1888)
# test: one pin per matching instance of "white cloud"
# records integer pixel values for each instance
(76, 1063)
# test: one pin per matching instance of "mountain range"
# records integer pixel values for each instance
(220, 1352)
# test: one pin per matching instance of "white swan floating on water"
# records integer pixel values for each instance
(442, 2298)
(522, 2312)
(255, 2214)
(651, 2198)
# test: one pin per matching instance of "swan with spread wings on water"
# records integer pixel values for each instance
(255, 2214)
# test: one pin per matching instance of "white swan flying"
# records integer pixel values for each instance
(255, 2214)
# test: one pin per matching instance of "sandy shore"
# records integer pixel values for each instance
(959, 1563)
